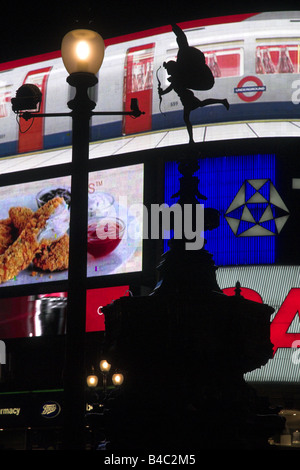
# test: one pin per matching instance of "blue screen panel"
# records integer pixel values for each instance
(239, 187)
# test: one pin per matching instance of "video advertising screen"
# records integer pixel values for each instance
(115, 224)
(253, 61)
(243, 190)
(45, 314)
(34, 224)
(277, 286)
(34, 227)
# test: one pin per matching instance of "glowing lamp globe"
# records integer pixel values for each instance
(117, 379)
(104, 366)
(82, 50)
(92, 381)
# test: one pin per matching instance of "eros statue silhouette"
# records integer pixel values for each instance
(189, 72)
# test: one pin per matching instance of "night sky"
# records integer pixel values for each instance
(27, 28)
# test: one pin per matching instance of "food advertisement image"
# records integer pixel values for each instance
(115, 221)
(34, 227)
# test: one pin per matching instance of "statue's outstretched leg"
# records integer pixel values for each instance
(186, 117)
(214, 101)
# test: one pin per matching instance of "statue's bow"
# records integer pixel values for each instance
(159, 90)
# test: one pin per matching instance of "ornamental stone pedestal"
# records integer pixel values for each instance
(184, 350)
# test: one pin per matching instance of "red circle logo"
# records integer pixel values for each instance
(258, 88)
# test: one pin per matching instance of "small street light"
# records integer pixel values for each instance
(99, 400)
(92, 379)
(105, 367)
(117, 379)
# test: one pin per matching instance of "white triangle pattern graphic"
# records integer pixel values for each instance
(257, 198)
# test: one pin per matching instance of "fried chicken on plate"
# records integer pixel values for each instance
(36, 231)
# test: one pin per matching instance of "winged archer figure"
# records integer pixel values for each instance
(189, 72)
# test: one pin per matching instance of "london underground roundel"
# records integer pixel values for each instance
(250, 89)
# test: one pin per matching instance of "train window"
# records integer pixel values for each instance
(138, 83)
(5, 97)
(277, 57)
(225, 59)
(225, 62)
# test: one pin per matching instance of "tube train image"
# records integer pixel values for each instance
(254, 58)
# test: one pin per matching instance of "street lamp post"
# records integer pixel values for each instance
(79, 48)
(82, 53)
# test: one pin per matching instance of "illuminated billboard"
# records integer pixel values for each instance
(34, 227)
(277, 286)
(242, 189)
(34, 224)
(254, 59)
(98, 298)
(115, 224)
(45, 314)
(257, 196)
